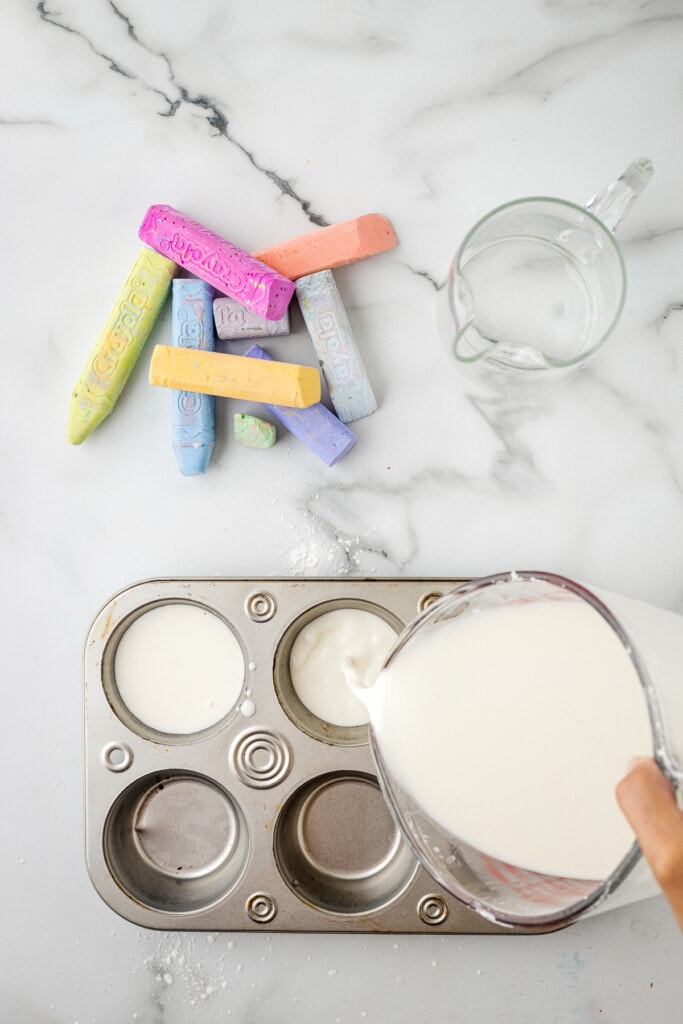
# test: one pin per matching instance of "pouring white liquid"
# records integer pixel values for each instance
(511, 727)
(338, 647)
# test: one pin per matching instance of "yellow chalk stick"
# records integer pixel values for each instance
(120, 343)
(213, 373)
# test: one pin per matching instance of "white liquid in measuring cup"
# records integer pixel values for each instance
(347, 645)
(511, 727)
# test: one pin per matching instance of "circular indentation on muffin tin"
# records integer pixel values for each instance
(432, 910)
(260, 607)
(337, 846)
(117, 757)
(199, 706)
(261, 907)
(261, 759)
(303, 718)
(175, 842)
(427, 600)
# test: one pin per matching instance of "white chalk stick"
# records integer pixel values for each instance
(340, 359)
(234, 321)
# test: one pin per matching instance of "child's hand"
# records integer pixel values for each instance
(649, 803)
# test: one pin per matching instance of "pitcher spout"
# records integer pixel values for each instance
(613, 203)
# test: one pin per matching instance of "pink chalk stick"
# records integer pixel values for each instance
(220, 263)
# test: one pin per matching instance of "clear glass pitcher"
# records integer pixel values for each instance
(537, 286)
(649, 639)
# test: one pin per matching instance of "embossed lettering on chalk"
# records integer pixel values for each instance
(190, 403)
(121, 335)
(336, 352)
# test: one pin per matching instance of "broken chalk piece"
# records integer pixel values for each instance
(317, 427)
(331, 247)
(234, 321)
(253, 432)
(213, 373)
(193, 415)
(120, 343)
(217, 261)
(335, 346)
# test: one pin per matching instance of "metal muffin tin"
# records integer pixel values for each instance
(272, 820)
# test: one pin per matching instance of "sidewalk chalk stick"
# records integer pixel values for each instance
(316, 426)
(253, 432)
(335, 346)
(193, 415)
(118, 347)
(234, 321)
(331, 247)
(217, 261)
(213, 373)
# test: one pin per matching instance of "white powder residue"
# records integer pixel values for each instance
(316, 559)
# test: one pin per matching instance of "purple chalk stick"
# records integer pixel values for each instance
(218, 262)
(316, 426)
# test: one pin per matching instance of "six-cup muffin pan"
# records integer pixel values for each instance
(269, 819)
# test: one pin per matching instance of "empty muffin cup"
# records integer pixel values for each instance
(324, 659)
(338, 848)
(175, 842)
(173, 669)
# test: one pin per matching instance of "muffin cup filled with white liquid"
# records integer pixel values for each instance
(501, 725)
(322, 659)
(174, 669)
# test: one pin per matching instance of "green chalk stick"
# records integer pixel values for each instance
(253, 432)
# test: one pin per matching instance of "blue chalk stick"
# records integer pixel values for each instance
(316, 426)
(193, 415)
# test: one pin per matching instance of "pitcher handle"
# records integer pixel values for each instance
(613, 203)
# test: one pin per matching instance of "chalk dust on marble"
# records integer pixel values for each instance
(316, 558)
(339, 555)
(334, 536)
(179, 963)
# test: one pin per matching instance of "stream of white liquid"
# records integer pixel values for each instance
(346, 644)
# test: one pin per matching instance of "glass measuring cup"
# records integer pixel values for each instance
(537, 286)
(650, 642)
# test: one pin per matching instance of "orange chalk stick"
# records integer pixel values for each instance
(213, 373)
(330, 247)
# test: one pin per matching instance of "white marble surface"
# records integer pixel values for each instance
(262, 120)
